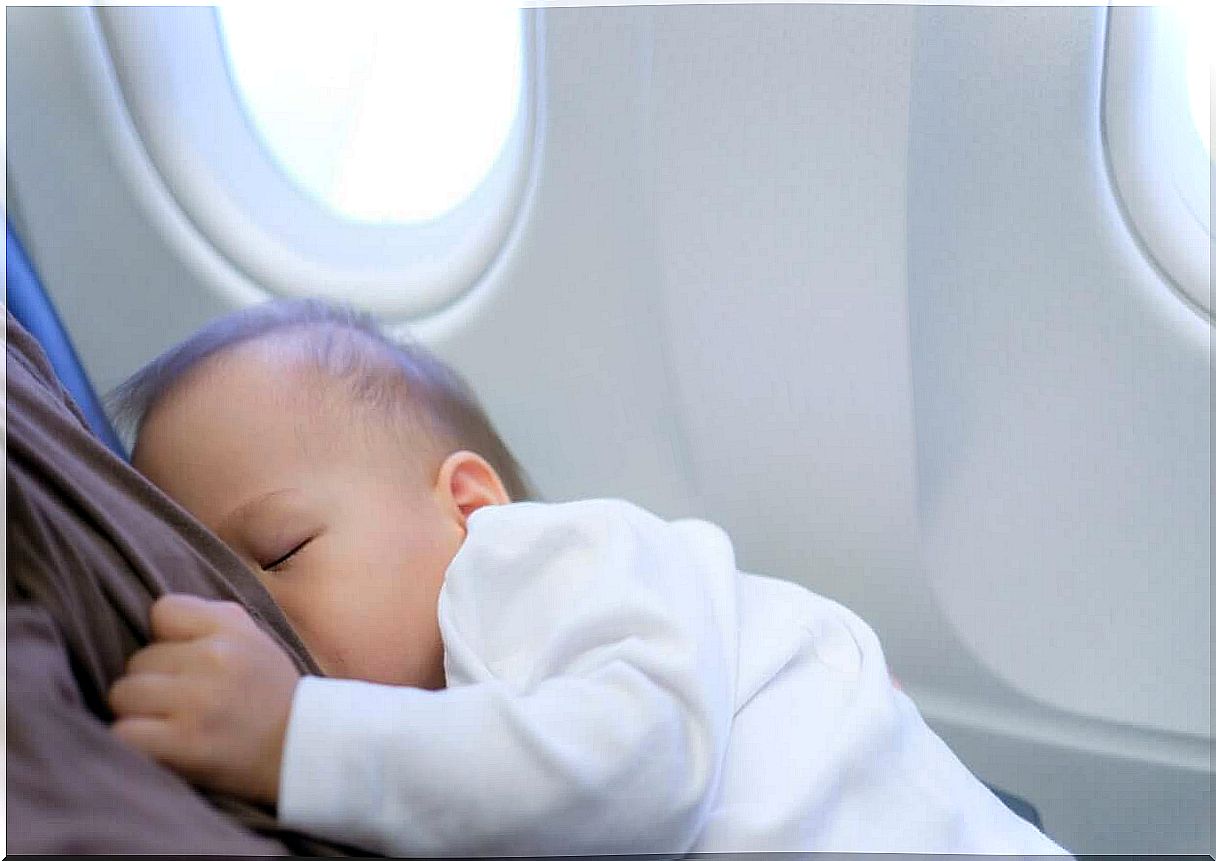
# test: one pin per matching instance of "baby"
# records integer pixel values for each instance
(508, 678)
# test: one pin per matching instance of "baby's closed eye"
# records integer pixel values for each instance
(277, 560)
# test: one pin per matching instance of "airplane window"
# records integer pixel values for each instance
(393, 114)
(1156, 120)
(1197, 22)
(375, 154)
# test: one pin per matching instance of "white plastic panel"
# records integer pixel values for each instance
(1062, 390)
(850, 281)
(782, 228)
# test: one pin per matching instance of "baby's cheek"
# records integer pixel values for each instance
(326, 650)
(319, 629)
(432, 674)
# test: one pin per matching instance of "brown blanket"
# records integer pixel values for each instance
(91, 544)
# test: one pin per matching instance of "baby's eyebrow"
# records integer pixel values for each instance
(243, 510)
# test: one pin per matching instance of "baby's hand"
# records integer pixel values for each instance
(210, 698)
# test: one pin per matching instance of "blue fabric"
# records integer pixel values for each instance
(31, 306)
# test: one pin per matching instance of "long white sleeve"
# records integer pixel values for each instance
(590, 657)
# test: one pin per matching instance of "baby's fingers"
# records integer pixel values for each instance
(169, 743)
(167, 658)
(182, 617)
(153, 736)
(146, 694)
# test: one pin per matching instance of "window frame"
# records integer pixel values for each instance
(172, 69)
(1158, 168)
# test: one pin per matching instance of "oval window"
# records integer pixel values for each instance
(387, 114)
(1156, 115)
(1199, 24)
(378, 155)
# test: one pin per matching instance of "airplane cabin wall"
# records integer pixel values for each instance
(849, 281)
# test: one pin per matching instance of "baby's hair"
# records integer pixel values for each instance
(349, 345)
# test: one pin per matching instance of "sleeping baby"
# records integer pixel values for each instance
(503, 677)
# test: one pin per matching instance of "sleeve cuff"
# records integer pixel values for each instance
(332, 769)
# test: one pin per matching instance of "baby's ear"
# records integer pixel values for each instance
(467, 482)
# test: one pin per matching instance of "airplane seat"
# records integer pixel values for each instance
(33, 309)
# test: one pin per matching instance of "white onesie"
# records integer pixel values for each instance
(616, 685)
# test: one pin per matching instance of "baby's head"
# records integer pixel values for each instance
(339, 465)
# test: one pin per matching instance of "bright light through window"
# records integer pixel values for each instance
(390, 113)
(1197, 22)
